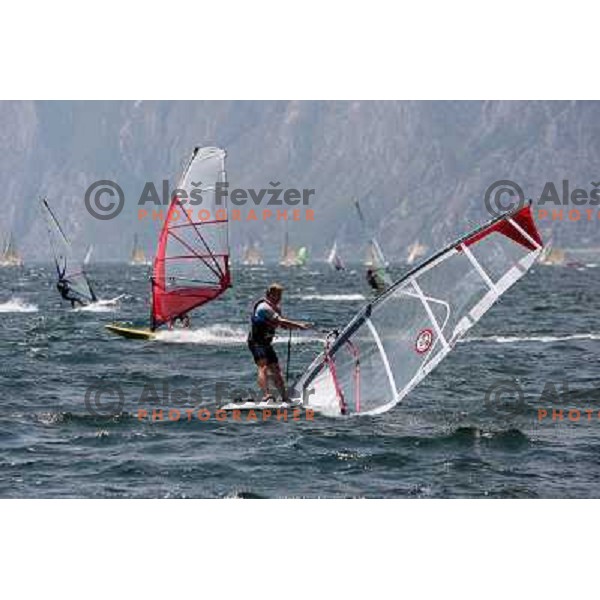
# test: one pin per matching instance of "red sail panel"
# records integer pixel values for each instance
(524, 220)
(191, 266)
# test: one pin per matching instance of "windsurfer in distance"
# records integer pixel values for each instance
(374, 280)
(64, 289)
(266, 318)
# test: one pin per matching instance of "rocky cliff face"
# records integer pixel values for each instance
(420, 169)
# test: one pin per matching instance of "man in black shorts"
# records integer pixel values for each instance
(266, 318)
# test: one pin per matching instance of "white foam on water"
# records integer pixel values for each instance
(333, 297)
(16, 305)
(543, 339)
(221, 334)
(213, 335)
(297, 338)
(101, 305)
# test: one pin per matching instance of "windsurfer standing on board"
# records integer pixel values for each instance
(266, 318)
(374, 280)
(64, 289)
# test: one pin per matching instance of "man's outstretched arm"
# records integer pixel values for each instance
(289, 324)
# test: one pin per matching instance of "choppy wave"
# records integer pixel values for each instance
(16, 305)
(543, 339)
(469, 434)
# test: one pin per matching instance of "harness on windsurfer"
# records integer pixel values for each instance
(265, 319)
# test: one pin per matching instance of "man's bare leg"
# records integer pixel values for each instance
(263, 376)
(278, 381)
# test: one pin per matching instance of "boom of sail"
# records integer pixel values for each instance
(400, 337)
(191, 266)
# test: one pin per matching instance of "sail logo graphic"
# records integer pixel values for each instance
(424, 341)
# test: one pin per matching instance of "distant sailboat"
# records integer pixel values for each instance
(551, 255)
(372, 255)
(88, 255)
(375, 260)
(554, 257)
(302, 256)
(415, 251)
(138, 258)
(290, 257)
(10, 256)
(252, 256)
(334, 260)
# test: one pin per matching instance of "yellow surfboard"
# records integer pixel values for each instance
(133, 333)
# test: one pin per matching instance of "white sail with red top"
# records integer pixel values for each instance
(399, 338)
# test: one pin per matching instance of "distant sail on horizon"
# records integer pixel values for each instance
(252, 256)
(138, 257)
(88, 255)
(10, 256)
(415, 251)
(555, 257)
(334, 260)
(375, 258)
(290, 257)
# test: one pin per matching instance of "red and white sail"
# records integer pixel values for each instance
(191, 266)
(399, 338)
